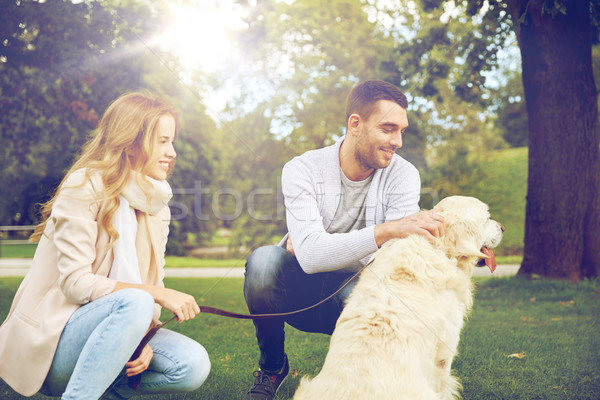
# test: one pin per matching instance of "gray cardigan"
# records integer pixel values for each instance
(311, 185)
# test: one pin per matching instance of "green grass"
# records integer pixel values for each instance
(25, 250)
(218, 240)
(553, 324)
(509, 260)
(505, 190)
(194, 262)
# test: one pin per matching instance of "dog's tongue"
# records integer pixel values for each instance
(491, 260)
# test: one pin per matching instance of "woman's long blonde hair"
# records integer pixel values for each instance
(129, 125)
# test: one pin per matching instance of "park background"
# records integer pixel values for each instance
(258, 82)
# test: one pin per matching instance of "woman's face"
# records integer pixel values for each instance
(164, 153)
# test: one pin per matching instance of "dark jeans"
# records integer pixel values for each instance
(276, 283)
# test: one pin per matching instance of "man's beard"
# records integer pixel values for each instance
(366, 161)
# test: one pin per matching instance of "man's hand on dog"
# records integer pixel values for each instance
(429, 224)
(426, 223)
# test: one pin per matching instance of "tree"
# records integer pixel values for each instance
(512, 119)
(58, 71)
(562, 223)
(256, 174)
(311, 52)
(61, 64)
(562, 232)
(435, 61)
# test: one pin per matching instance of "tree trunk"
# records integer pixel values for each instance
(562, 221)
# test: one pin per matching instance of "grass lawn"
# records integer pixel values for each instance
(193, 262)
(505, 190)
(25, 250)
(524, 340)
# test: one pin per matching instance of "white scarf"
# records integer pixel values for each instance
(125, 266)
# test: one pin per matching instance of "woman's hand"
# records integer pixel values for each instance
(141, 363)
(181, 304)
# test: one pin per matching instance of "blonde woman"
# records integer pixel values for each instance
(95, 286)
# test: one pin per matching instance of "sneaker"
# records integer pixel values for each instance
(266, 383)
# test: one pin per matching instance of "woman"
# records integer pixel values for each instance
(95, 286)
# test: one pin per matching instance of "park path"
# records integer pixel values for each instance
(19, 267)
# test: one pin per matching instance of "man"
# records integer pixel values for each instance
(342, 203)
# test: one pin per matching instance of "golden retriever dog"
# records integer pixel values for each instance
(399, 330)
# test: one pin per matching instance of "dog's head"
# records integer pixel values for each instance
(470, 233)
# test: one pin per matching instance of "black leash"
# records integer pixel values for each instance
(134, 381)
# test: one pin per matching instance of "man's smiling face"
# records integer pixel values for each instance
(381, 135)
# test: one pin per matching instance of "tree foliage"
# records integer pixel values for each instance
(303, 58)
(61, 64)
(512, 118)
(59, 68)
(310, 52)
(555, 38)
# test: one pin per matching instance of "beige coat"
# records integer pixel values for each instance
(70, 268)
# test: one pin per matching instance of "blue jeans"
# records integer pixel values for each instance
(275, 283)
(99, 339)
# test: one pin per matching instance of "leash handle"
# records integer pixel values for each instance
(134, 381)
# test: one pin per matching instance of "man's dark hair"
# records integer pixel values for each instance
(362, 97)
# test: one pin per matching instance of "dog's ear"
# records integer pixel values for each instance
(462, 237)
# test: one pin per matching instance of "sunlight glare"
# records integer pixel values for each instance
(198, 33)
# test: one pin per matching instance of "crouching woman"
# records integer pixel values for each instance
(95, 286)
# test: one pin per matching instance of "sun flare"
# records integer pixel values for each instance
(199, 33)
